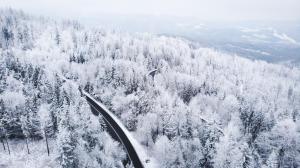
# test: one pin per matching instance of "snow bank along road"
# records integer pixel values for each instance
(135, 152)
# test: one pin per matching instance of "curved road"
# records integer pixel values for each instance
(115, 129)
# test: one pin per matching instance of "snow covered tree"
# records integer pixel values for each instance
(25, 130)
(178, 114)
(272, 161)
(286, 143)
(165, 152)
(55, 104)
(46, 127)
(31, 115)
(66, 138)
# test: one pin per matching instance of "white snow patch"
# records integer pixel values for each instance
(285, 38)
(19, 158)
(248, 30)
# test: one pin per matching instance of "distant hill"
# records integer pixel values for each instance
(272, 41)
(202, 107)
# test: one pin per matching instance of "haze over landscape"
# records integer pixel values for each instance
(267, 30)
(135, 83)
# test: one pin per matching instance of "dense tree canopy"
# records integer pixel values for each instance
(202, 108)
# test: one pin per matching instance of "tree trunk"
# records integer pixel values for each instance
(7, 146)
(47, 143)
(3, 145)
(27, 146)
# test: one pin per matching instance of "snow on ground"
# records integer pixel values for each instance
(38, 157)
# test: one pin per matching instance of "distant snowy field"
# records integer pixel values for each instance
(276, 42)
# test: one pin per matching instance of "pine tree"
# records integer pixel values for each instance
(45, 119)
(3, 122)
(31, 109)
(272, 161)
(56, 104)
(25, 129)
(67, 140)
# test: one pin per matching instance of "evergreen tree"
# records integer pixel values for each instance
(66, 138)
(56, 104)
(25, 129)
(272, 161)
(33, 122)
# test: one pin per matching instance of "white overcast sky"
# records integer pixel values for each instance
(202, 9)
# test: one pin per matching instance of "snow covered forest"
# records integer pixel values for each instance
(200, 108)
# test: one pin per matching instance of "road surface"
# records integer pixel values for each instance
(118, 131)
